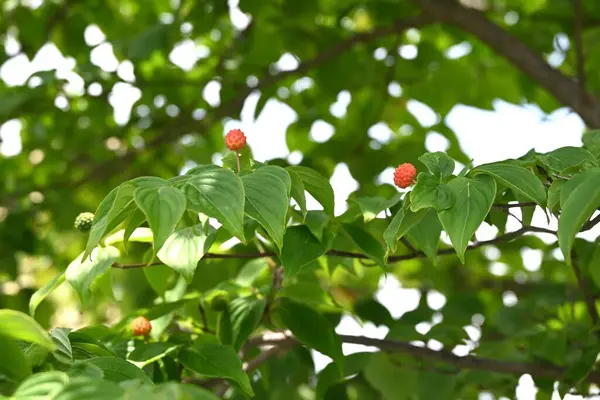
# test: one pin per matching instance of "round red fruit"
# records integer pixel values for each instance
(404, 175)
(141, 326)
(235, 139)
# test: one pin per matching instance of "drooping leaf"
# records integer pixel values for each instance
(311, 328)
(81, 275)
(43, 385)
(474, 199)
(44, 291)
(366, 242)
(372, 206)
(63, 352)
(118, 370)
(17, 325)
(353, 364)
(439, 164)
(148, 353)
(577, 208)
(163, 207)
(521, 180)
(85, 387)
(216, 361)
(426, 233)
(267, 199)
(184, 248)
(300, 248)
(245, 314)
(401, 224)
(16, 366)
(568, 159)
(317, 185)
(297, 191)
(216, 192)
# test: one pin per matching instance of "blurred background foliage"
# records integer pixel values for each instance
(121, 106)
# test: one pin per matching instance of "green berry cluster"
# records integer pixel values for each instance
(83, 222)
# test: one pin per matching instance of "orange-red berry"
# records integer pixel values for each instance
(141, 326)
(235, 139)
(404, 175)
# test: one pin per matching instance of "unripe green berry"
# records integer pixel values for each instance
(83, 222)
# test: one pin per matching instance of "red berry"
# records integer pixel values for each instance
(235, 139)
(141, 326)
(404, 175)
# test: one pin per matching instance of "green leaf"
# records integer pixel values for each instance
(424, 193)
(372, 206)
(216, 361)
(163, 207)
(85, 387)
(309, 293)
(591, 141)
(439, 164)
(43, 385)
(426, 233)
(353, 364)
(300, 248)
(594, 266)
(148, 353)
(311, 328)
(401, 224)
(178, 391)
(44, 291)
(366, 243)
(245, 315)
(118, 370)
(216, 192)
(430, 192)
(568, 159)
(474, 199)
(132, 229)
(436, 386)
(519, 179)
(384, 375)
(159, 277)
(63, 352)
(317, 185)
(297, 191)
(20, 326)
(316, 221)
(185, 248)
(267, 199)
(554, 194)
(81, 275)
(577, 208)
(116, 208)
(140, 235)
(15, 366)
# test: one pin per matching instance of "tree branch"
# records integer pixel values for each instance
(579, 47)
(445, 356)
(340, 253)
(563, 88)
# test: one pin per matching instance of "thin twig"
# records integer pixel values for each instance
(341, 253)
(516, 205)
(590, 224)
(459, 362)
